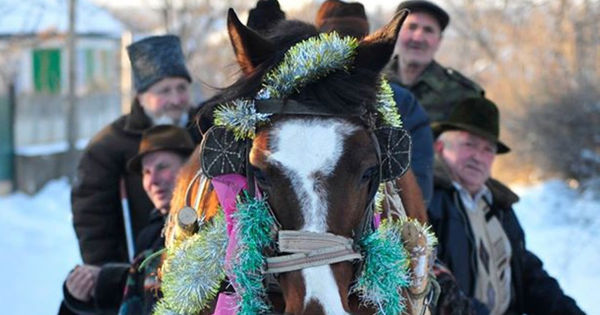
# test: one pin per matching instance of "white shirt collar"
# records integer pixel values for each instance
(470, 202)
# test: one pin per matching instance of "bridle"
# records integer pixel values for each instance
(296, 250)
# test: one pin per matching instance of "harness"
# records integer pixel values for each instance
(295, 250)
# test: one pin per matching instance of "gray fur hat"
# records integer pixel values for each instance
(155, 58)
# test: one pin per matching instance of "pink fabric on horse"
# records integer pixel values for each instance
(228, 187)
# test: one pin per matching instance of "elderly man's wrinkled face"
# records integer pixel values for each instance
(167, 101)
(469, 157)
(159, 170)
(419, 39)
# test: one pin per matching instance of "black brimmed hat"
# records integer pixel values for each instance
(161, 138)
(265, 15)
(477, 115)
(425, 6)
(155, 58)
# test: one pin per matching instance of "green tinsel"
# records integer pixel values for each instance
(193, 270)
(162, 308)
(379, 198)
(385, 271)
(254, 225)
(308, 61)
(386, 105)
(240, 116)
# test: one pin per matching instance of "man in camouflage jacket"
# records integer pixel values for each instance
(437, 88)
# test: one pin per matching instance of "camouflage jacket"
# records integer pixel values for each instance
(438, 88)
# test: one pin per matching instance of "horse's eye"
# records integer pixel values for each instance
(369, 174)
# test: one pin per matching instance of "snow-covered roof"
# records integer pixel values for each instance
(24, 17)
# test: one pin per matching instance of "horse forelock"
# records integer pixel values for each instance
(341, 90)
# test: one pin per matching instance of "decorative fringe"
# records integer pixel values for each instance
(254, 229)
(240, 116)
(386, 105)
(194, 269)
(385, 271)
(308, 61)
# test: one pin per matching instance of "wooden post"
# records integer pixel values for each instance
(126, 96)
(72, 130)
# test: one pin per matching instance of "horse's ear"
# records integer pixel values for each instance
(375, 50)
(249, 47)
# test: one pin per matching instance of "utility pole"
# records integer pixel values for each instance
(72, 130)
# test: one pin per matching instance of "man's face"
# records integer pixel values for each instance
(166, 101)
(469, 158)
(419, 39)
(159, 170)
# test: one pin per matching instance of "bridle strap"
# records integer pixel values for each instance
(366, 224)
(292, 107)
(310, 249)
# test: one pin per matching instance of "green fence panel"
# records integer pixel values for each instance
(6, 138)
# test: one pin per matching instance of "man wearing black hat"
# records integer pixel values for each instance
(480, 238)
(99, 289)
(437, 88)
(162, 85)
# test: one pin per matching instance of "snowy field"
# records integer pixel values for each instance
(38, 243)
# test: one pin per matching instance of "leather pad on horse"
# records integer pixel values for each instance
(222, 153)
(395, 145)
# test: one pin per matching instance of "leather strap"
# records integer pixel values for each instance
(292, 107)
(310, 249)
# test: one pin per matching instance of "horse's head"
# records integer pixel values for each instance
(317, 156)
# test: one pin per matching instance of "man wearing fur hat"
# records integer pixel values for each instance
(436, 87)
(162, 85)
(480, 238)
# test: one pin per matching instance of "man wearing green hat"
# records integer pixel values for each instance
(480, 238)
(436, 87)
(93, 289)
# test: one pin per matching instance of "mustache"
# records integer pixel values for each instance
(417, 44)
(476, 165)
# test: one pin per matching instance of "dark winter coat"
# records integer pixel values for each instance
(95, 198)
(534, 291)
(416, 122)
(438, 88)
(109, 290)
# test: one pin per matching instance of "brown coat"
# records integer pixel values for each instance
(95, 197)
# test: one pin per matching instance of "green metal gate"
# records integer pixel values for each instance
(6, 136)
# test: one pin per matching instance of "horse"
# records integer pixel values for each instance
(312, 155)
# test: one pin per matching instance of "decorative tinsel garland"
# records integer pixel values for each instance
(308, 61)
(379, 198)
(302, 64)
(193, 270)
(386, 105)
(385, 270)
(254, 234)
(241, 117)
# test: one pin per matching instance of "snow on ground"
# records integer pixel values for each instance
(39, 247)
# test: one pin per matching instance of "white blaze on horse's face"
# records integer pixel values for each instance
(307, 152)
